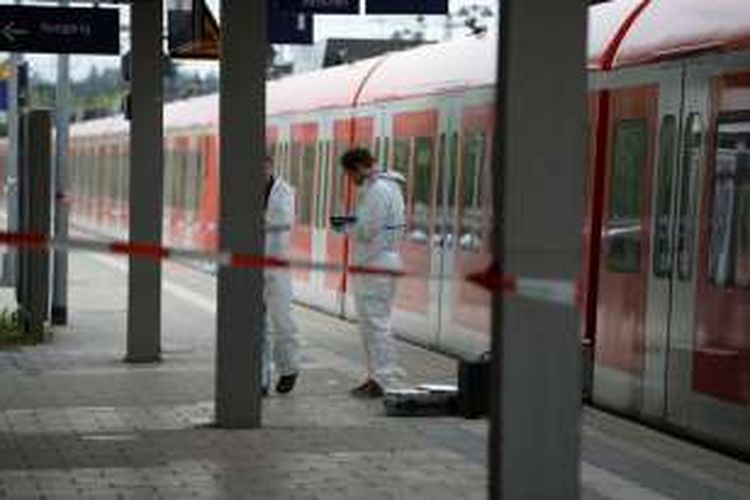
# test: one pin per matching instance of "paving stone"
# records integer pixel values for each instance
(76, 422)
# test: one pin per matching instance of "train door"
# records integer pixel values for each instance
(621, 308)
(416, 148)
(348, 131)
(671, 297)
(466, 310)
(662, 286)
(320, 214)
(208, 204)
(302, 174)
(446, 230)
(714, 397)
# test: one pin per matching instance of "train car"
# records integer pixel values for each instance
(667, 226)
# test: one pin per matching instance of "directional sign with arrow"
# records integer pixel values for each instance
(59, 30)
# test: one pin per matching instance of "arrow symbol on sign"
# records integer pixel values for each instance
(10, 32)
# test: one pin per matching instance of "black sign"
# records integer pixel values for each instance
(3, 95)
(407, 6)
(290, 28)
(59, 30)
(316, 6)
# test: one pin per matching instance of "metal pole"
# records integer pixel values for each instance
(146, 181)
(240, 291)
(538, 205)
(62, 119)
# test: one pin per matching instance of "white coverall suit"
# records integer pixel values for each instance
(377, 232)
(277, 291)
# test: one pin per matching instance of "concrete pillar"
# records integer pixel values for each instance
(11, 176)
(146, 181)
(538, 184)
(59, 314)
(35, 211)
(242, 180)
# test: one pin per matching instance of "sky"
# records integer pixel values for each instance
(325, 27)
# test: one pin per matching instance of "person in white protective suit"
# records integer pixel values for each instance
(279, 218)
(377, 229)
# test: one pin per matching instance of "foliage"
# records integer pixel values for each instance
(11, 331)
(102, 91)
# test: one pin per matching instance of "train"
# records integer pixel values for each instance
(666, 310)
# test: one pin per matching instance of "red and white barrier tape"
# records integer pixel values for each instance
(491, 279)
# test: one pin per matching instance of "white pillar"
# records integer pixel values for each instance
(242, 180)
(538, 183)
(146, 181)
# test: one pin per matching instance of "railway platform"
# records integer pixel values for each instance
(77, 422)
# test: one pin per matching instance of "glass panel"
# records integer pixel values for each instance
(102, 168)
(303, 177)
(691, 156)
(126, 173)
(337, 187)
(624, 226)
(729, 259)
(401, 156)
(662, 256)
(470, 215)
(321, 195)
(419, 218)
(191, 179)
(447, 201)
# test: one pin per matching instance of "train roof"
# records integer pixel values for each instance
(663, 29)
(667, 29)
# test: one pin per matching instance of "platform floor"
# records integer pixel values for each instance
(77, 422)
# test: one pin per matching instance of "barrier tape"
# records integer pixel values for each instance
(490, 279)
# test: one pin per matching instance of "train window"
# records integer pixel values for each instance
(125, 172)
(303, 172)
(321, 195)
(447, 198)
(662, 259)
(419, 223)
(184, 168)
(470, 196)
(624, 227)
(401, 151)
(192, 175)
(168, 183)
(114, 176)
(337, 186)
(729, 253)
(688, 197)
(102, 168)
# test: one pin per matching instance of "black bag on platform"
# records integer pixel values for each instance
(474, 387)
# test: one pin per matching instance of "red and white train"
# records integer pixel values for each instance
(668, 314)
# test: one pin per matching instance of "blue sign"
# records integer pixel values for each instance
(290, 28)
(3, 95)
(407, 6)
(59, 30)
(316, 6)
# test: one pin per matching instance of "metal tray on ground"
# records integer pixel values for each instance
(421, 401)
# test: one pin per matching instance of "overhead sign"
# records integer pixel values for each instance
(316, 6)
(290, 28)
(195, 34)
(59, 30)
(407, 7)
